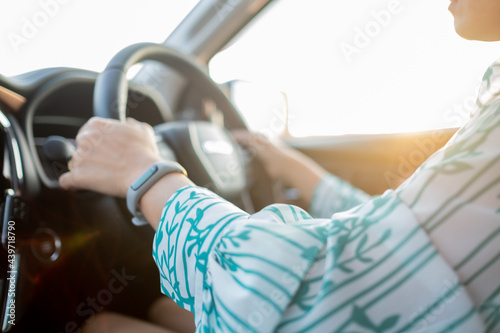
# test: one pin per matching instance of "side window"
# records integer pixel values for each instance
(366, 66)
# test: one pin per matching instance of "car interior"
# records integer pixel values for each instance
(77, 253)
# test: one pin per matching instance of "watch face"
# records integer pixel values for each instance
(144, 178)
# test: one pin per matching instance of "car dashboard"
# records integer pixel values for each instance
(64, 103)
(58, 246)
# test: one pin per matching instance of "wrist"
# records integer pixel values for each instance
(154, 200)
(303, 174)
(138, 169)
(143, 184)
(167, 185)
(293, 165)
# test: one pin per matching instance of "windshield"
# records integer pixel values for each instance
(84, 34)
(366, 66)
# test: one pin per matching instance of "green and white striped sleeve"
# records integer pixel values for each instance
(370, 269)
(201, 238)
(333, 195)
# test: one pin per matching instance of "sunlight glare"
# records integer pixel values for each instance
(415, 73)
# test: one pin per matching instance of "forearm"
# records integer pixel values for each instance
(300, 172)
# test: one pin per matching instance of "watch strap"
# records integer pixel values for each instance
(144, 183)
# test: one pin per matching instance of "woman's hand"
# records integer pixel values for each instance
(110, 155)
(284, 163)
(273, 155)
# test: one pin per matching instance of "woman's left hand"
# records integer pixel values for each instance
(110, 155)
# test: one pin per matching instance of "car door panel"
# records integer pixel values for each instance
(374, 163)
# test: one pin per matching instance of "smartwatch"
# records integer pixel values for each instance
(144, 183)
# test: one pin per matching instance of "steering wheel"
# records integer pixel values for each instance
(210, 156)
(110, 93)
(207, 151)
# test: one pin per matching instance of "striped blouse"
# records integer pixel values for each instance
(422, 258)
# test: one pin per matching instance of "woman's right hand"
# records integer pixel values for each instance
(273, 155)
(283, 163)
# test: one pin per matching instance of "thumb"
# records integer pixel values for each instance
(66, 181)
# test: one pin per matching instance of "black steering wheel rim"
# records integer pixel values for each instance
(111, 87)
